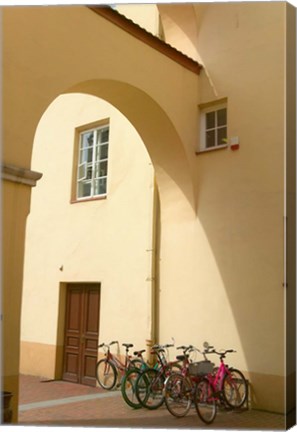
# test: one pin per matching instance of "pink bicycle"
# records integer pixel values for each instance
(229, 384)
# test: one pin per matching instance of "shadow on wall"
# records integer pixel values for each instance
(163, 144)
(244, 229)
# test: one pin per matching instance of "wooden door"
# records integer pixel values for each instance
(81, 333)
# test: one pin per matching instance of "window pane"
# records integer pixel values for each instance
(210, 139)
(89, 172)
(222, 136)
(101, 169)
(90, 155)
(100, 186)
(102, 152)
(82, 172)
(86, 155)
(210, 120)
(84, 189)
(87, 139)
(104, 135)
(222, 117)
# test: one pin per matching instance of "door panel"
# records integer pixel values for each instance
(81, 333)
(73, 334)
(90, 336)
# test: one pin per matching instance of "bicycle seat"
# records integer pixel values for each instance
(139, 352)
(182, 357)
(127, 345)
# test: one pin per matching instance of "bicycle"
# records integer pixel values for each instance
(128, 386)
(109, 368)
(229, 384)
(149, 384)
(189, 386)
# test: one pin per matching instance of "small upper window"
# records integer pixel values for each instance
(92, 163)
(213, 127)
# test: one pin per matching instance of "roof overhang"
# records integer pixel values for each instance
(148, 38)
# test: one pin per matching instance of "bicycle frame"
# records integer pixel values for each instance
(185, 365)
(216, 381)
(115, 360)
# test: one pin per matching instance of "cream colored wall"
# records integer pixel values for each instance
(16, 199)
(145, 15)
(43, 56)
(104, 241)
(229, 280)
(180, 27)
(221, 264)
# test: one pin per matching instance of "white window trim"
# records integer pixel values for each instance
(85, 164)
(203, 112)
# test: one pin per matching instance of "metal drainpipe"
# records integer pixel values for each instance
(153, 328)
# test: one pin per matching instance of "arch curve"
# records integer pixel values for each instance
(156, 131)
(179, 23)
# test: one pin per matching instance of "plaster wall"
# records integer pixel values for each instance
(104, 241)
(145, 15)
(230, 278)
(220, 261)
(17, 201)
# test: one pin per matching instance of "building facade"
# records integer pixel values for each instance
(194, 217)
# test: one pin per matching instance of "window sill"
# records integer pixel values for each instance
(82, 200)
(223, 147)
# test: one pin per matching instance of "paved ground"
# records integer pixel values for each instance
(65, 404)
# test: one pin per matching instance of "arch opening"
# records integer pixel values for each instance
(157, 133)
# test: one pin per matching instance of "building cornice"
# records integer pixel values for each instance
(148, 38)
(20, 175)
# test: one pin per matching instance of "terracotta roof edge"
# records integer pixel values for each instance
(140, 33)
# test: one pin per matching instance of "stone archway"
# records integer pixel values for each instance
(157, 132)
(50, 56)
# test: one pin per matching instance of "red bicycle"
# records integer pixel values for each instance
(110, 368)
(149, 384)
(191, 385)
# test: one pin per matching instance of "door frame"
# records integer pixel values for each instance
(61, 327)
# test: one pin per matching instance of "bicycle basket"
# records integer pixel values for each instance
(201, 368)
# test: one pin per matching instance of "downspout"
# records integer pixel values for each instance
(153, 278)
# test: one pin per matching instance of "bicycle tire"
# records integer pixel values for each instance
(178, 394)
(138, 364)
(128, 388)
(149, 389)
(205, 402)
(234, 388)
(106, 374)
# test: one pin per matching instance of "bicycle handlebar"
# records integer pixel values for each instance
(186, 348)
(107, 345)
(159, 347)
(222, 354)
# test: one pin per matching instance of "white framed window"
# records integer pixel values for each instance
(92, 167)
(213, 127)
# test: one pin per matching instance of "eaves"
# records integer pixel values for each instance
(146, 37)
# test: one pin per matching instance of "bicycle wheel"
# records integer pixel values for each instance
(106, 374)
(178, 394)
(139, 364)
(149, 389)
(205, 402)
(128, 388)
(234, 388)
